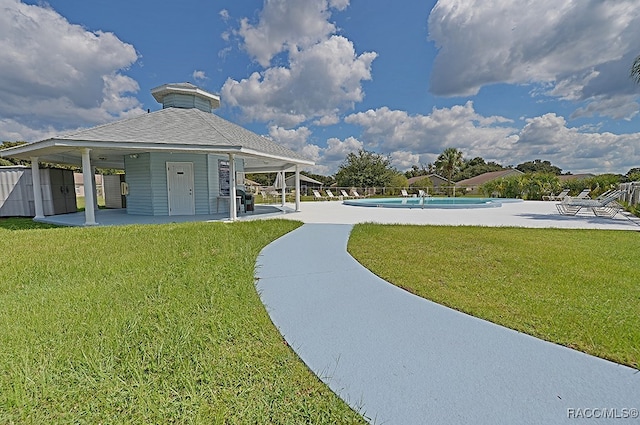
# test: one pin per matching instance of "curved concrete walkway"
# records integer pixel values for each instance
(399, 359)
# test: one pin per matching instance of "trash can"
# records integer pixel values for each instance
(248, 202)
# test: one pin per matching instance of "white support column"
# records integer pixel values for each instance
(232, 188)
(297, 188)
(37, 187)
(284, 189)
(94, 186)
(89, 203)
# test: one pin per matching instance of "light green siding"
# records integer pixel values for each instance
(137, 175)
(146, 176)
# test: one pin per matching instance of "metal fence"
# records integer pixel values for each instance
(630, 193)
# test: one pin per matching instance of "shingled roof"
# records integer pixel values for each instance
(189, 127)
(173, 129)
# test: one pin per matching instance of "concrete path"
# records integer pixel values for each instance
(399, 359)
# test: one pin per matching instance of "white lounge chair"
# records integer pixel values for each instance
(584, 194)
(318, 196)
(605, 207)
(423, 194)
(344, 194)
(404, 193)
(330, 195)
(356, 194)
(559, 197)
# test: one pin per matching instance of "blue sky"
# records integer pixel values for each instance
(509, 81)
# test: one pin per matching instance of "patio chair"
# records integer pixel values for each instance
(356, 194)
(605, 207)
(559, 197)
(404, 193)
(344, 193)
(330, 195)
(423, 194)
(318, 196)
(584, 194)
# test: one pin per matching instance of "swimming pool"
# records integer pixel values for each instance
(429, 202)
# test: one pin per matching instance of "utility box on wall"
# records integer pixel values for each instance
(16, 191)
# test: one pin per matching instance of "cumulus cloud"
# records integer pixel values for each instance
(322, 81)
(579, 50)
(64, 74)
(288, 24)
(298, 140)
(337, 150)
(419, 139)
(548, 136)
(199, 75)
(294, 139)
(392, 130)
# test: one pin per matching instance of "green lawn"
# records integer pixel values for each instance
(578, 288)
(147, 324)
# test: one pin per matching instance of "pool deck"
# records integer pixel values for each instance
(399, 359)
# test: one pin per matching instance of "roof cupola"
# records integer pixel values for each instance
(186, 96)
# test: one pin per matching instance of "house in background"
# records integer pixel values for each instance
(437, 181)
(472, 185)
(566, 177)
(306, 183)
(180, 160)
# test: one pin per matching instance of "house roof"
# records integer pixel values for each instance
(565, 177)
(486, 177)
(303, 179)
(169, 130)
(412, 180)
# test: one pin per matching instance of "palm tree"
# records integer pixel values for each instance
(635, 70)
(449, 162)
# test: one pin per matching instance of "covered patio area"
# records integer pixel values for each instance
(182, 160)
(119, 217)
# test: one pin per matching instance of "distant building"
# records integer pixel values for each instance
(565, 177)
(306, 183)
(472, 185)
(436, 180)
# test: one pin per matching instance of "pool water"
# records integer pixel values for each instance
(429, 202)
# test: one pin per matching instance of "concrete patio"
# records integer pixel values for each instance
(539, 214)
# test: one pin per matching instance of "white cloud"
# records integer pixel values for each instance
(12, 130)
(549, 137)
(579, 50)
(199, 75)
(337, 150)
(61, 72)
(403, 160)
(418, 139)
(322, 80)
(295, 139)
(288, 24)
(388, 130)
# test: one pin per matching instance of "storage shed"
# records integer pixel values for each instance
(17, 196)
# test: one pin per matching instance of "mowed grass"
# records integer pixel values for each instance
(578, 288)
(147, 324)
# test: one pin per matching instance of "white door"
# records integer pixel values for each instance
(180, 187)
